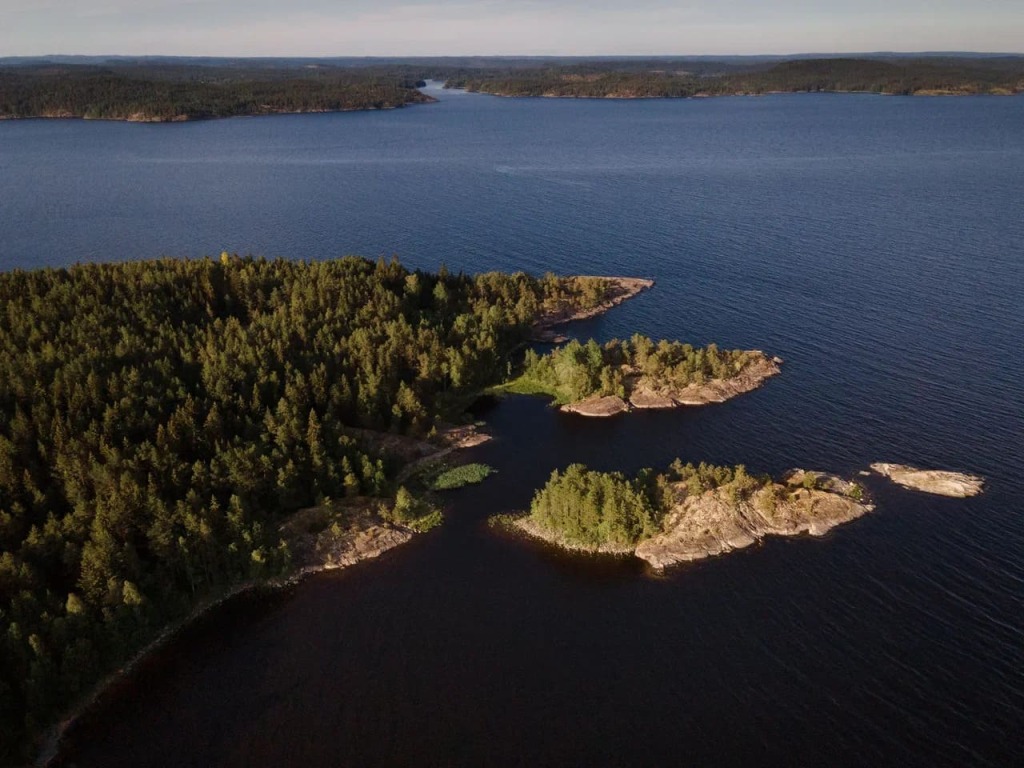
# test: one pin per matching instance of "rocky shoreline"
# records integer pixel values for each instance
(366, 537)
(317, 546)
(714, 524)
(717, 521)
(646, 394)
(143, 117)
(621, 289)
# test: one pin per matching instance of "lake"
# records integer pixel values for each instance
(874, 243)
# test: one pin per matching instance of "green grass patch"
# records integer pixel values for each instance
(424, 523)
(468, 474)
(527, 386)
(505, 520)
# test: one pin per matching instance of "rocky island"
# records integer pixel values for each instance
(959, 485)
(686, 513)
(604, 380)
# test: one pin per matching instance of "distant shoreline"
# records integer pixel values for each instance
(738, 94)
(205, 118)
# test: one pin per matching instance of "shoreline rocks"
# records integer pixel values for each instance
(598, 407)
(958, 485)
(713, 523)
(719, 521)
(648, 395)
(622, 289)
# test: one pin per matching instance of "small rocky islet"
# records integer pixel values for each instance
(941, 482)
(686, 513)
(697, 512)
(705, 511)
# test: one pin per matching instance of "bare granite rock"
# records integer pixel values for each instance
(642, 397)
(941, 482)
(598, 406)
(716, 522)
(720, 390)
(722, 520)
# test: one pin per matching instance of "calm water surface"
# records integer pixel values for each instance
(877, 244)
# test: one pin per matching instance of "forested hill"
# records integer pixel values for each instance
(160, 93)
(660, 80)
(159, 419)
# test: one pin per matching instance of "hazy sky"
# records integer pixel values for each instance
(437, 27)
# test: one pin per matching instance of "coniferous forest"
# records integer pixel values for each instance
(591, 509)
(576, 371)
(158, 419)
(667, 79)
(172, 93)
(172, 89)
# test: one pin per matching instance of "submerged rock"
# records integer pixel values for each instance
(941, 482)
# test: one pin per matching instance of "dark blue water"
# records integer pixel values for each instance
(877, 244)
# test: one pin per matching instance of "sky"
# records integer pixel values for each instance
(505, 27)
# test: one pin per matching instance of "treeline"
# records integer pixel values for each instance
(184, 90)
(593, 510)
(157, 93)
(576, 371)
(159, 418)
(900, 76)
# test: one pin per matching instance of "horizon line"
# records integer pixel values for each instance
(823, 54)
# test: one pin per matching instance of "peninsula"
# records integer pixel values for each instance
(176, 431)
(604, 380)
(687, 512)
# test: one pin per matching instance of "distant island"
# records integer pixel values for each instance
(603, 380)
(907, 77)
(685, 513)
(157, 93)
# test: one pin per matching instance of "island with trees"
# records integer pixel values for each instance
(670, 79)
(603, 380)
(685, 513)
(172, 431)
(156, 93)
(690, 512)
